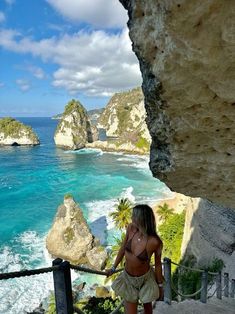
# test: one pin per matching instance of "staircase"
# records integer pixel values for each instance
(213, 306)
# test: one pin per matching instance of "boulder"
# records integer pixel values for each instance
(71, 239)
(102, 292)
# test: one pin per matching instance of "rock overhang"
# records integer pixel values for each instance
(186, 55)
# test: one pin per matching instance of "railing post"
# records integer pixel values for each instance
(232, 288)
(226, 284)
(167, 275)
(204, 282)
(218, 286)
(63, 287)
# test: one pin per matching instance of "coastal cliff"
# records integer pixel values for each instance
(15, 133)
(209, 230)
(186, 55)
(124, 122)
(74, 129)
(71, 239)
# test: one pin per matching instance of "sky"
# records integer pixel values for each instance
(54, 50)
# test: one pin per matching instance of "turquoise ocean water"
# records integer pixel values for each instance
(33, 181)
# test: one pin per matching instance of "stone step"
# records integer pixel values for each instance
(214, 306)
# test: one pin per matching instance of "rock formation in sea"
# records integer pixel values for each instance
(186, 55)
(15, 133)
(124, 122)
(71, 239)
(74, 129)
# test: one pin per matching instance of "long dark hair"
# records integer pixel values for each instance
(143, 216)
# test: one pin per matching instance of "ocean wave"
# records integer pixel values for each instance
(85, 151)
(24, 294)
(21, 295)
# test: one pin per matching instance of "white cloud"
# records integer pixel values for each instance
(99, 13)
(2, 17)
(94, 63)
(9, 2)
(37, 72)
(23, 84)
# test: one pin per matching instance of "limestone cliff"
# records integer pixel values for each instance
(71, 239)
(75, 130)
(186, 55)
(124, 121)
(15, 133)
(209, 230)
(209, 233)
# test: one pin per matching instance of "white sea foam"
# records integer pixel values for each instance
(21, 295)
(127, 193)
(85, 151)
(24, 294)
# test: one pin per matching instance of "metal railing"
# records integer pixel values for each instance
(63, 286)
(229, 285)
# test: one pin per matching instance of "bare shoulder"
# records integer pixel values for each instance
(155, 243)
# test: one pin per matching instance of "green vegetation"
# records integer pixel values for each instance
(68, 235)
(142, 143)
(74, 105)
(51, 306)
(171, 232)
(100, 305)
(68, 195)
(122, 214)
(12, 127)
(164, 211)
(190, 281)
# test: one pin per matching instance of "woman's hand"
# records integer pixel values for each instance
(109, 272)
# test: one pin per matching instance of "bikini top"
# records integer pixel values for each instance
(143, 256)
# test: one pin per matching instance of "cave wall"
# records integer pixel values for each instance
(186, 51)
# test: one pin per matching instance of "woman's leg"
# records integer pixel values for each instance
(148, 309)
(130, 308)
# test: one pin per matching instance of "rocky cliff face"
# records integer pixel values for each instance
(15, 133)
(186, 55)
(124, 121)
(75, 130)
(209, 233)
(70, 237)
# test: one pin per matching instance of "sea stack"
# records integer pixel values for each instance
(74, 130)
(71, 239)
(124, 122)
(15, 133)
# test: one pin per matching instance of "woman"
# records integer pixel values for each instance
(138, 281)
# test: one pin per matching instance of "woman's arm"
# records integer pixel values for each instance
(158, 269)
(121, 252)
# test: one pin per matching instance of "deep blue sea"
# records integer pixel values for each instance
(33, 182)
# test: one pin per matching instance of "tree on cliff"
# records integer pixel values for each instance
(164, 211)
(122, 214)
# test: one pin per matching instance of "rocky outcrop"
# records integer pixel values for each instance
(15, 133)
(71, 239)
(209, 233)
(124, 122)
(94, 115)
(75, 129)
(209, 230)
(186, 55)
